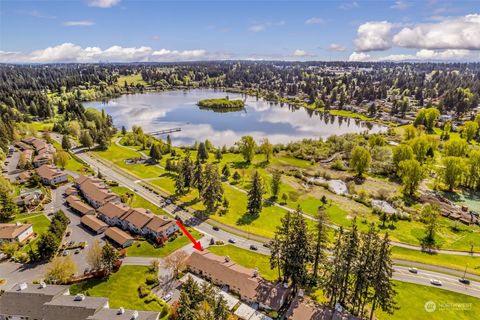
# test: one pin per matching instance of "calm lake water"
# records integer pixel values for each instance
(260, 118)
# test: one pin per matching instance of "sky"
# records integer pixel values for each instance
(178, 30)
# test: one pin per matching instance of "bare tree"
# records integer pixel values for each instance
(94, 256)
(176, 261)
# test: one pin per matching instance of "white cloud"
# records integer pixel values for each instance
(103, 3)
(451, 33)
(79, 23)
(336, 47)
(374, 35)
(400, 5)
(69, 52)
(314, 20)
(257, 28)
(38, 14)
(300, 53)
(421, 55)
(349, 5)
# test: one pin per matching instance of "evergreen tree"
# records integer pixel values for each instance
(186, 167)
(198, 176)
(202, 152)
(212, 192)
(180, 183)
(320, 241)
(124, 130)
(155, 152)
(276, 182)
(255, 195)
(226, 171)
(86, 139)
(236, 176)
(218, 155)
(66, 145)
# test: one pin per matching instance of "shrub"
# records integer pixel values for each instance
(151, 280)
(143, 291)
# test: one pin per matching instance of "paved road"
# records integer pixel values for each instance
(449, 282)
(11, 166)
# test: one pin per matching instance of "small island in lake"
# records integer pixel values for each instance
(222, 103)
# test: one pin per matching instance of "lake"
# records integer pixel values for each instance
(281, 123)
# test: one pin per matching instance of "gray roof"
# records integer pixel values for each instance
(68, 308)
(87, 302)
(114, 314)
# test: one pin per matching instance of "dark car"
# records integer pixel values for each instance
(253, 247)
(266, 245)
(464, 281)
(215, 228)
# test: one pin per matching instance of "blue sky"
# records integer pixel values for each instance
(122, 30)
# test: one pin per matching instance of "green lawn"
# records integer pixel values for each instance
(133, 79)
(442, 260)
(40, 225)
(121, 289)
(139, 201)
(146, 249)
(247, 259)
(449, 305)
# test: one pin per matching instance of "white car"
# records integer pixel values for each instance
(436, 282)
(65, 252)
(168, 297)
(413, 270)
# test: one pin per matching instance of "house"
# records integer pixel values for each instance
(94, 224)
(29, 198)
(136, 219)
(160, 228)
(27, 154)
(112, 213)
(95, 192)
(51, 175)
(120, 237)
(42, 159)
(23, 177)
(22, 146)
(26, 301)
(79, 206)
(242, 281)
(70, 191)
(305, 308)
(53, 302)
(77, 307)
(15, 232)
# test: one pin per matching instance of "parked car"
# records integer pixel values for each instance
(231, 240)
(464, 281)
(436, 282)
(266, 245)
(215, 228)
(413, 270)
(253, 247)
(65, 253)
(77, 251)
(168, 297)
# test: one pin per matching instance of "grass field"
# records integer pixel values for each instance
(133, 79)
(449, 305)
(139, 201)
(146, 249)
(247, 259)
(121, 289)
(40, 225)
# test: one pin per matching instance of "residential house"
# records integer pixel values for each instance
(305, 308)
(22, 146)
(136, 219)
(122, 314)
(24, 177)
(118, 236)
(79, 206)
(51, 175)
(112, 213)
(95, 192)
(160, 228)
(70, 191)
(94, 224)
(42, 159)
(15, 232)
(28, 198)
(251, 288)
(77, 307)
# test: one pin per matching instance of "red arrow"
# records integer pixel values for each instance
(196, 244)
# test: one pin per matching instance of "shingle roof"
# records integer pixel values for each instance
(138, 217)
(117, 235)
(49, 172)
(158, 224)
(77, 204)
(12, 230)
(114, 314)
(93, 222)
(95, 189)
(113, 210)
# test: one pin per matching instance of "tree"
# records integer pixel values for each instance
(66, 144)
(470, 130)
(109, 257)
(94, 256)
(155, 152)
(124, 130)
(383, 289)
(236, 177)
(267, 149)
(61, 269)
(320, 241)
(255, 194)
(61, 159)
(412, 173)
(86, 139)
(8, 208)
(47, 246)
(247, 147)
(226, 171)
(429, 216)
(218, 155)
(276, 182)
(452, 172)
(360, 160)
(176, 262)
(284, 198)
(202, 152)
(180, 183)
(473, 176)
(198, 176)
(400, 153)
(212, 192)
(455, 148)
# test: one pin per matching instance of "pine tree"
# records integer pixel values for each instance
(255, 194)
(124, 130)
(186, 167)
(218, 155)
(202, 152)
(198, 176)
(212, 192)
(298, 251)
(66, 145)
(180, 183)
(384, 291)
(276, 182)
(320, 241)
(226, 171)
(155, 152)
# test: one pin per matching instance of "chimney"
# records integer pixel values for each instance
(121, 310)
(134, 315)
(43, 285)
(227, 259)
(22, 286)
(79, 297)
